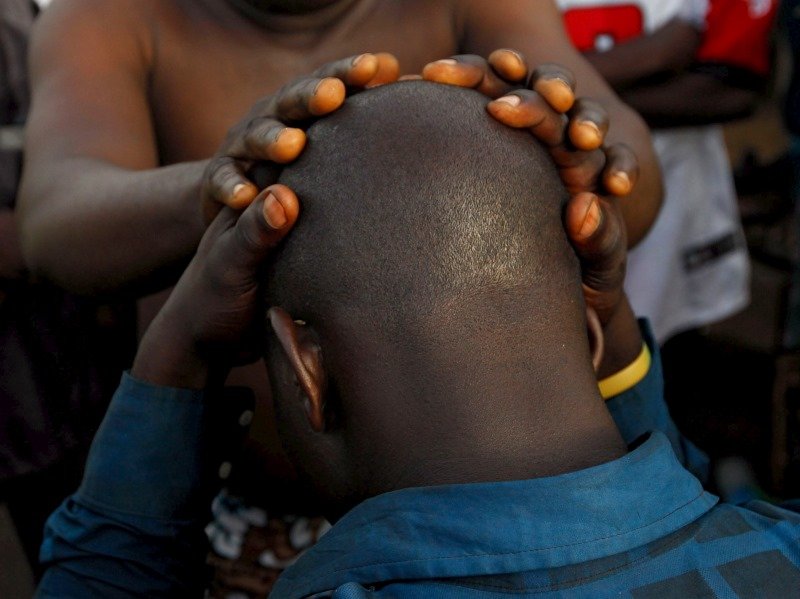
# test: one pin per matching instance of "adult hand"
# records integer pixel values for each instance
(273, 130)
(545, 103)
(207, 324)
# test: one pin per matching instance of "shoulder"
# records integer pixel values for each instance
(97, 28)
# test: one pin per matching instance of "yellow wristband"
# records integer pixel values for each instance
(628, 377)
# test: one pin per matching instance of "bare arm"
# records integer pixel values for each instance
(650, 73)
(96, 213)
(691, 99)
(667, 50)
(535, 28)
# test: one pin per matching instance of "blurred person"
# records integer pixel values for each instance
(148, 116)
(59, 356)
(685, 66)
(790, 17)
(435, 385)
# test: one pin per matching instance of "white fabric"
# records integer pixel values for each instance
(699, 208)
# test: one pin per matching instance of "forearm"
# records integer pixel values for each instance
(135, 526)
(668, 50)
(690, 99)
(95, 228)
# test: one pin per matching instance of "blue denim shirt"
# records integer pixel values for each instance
(639, 526)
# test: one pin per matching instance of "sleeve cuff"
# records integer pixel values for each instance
(158, 450)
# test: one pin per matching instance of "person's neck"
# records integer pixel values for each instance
(529, 425)
(294, 17)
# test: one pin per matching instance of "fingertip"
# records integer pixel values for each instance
(509, 64)
(273, 212)
(362, 70)
(241, 196)
(328, 96)
(452, 72)
(558, 93)
(585, 217)
(585, 135)
(388, 69)
(288, 145)
(618, 183)
(509, 110)
(511, 100)
(287, 199)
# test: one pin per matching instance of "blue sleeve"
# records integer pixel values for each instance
(135, 525)
(642, 409)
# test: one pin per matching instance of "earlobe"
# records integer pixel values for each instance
(596, 339)
(305, 357)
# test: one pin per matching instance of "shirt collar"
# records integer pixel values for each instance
(505, 527)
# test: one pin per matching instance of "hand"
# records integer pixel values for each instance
(207, 325)
(572, 129)
(596, 231)
(273, 130)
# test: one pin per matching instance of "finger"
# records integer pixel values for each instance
(621, 171)
(354, 70)
(451, 71)
(556, 84)
(588, 124)
(580, 171)
(597, 234)
(509, 65)
(225, 184)
(410, 78)
(388, 69)
(583, 217)
(526, 109)
(268, 139)
(308, 98)
(263, 225)
(471, 70)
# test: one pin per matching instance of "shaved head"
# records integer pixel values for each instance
(416, 206)
(432, 273)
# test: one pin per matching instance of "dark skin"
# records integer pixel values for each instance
(650, 74)
(135, 72)
(197, 331)
(174, 79)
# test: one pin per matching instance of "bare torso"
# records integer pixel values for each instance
(212, 64)
(131, 96)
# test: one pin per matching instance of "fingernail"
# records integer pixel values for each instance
(358, 59)
(446, 61)
(591, 128)
(240, 193)
(273, 212)
(620, 183)
(591, 220)
(510, 100)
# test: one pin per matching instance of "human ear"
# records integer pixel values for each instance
(305, 357)
(596, 339)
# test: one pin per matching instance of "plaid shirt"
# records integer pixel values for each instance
(639, 526)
